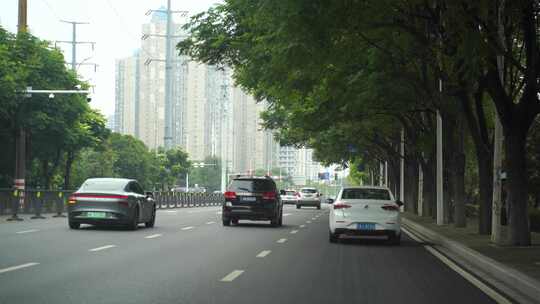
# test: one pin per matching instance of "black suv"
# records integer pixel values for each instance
(252, 198)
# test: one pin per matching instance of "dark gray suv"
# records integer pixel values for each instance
(252, 198)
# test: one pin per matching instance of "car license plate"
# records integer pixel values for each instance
(249, 199)
(365, 226)
(96, 214)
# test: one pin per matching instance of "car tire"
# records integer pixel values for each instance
(274, 222)
(333, 238)
(235, 221)
(151, 222)
(73, 225)
(226, 222)
(319, 207)
(395, 239)
(298, 206)
(134, 221)
(280, 222)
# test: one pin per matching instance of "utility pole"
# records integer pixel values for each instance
(74, 44)
(20, 139)
(497, 233)
(402, 168)
(439, 148)
(168, 126)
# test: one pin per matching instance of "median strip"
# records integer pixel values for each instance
(102, 248)
(18, 267)
(153, 236)
(263, 253)
(232, 276)
(27, 231)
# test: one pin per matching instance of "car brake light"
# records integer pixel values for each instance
(390, 207)
(82, 195)
(341, 206)
(230, 195)
(269, 195)
(72, 200)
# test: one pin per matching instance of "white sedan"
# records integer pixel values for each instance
(365, 212)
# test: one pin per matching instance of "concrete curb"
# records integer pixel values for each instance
(516, 285)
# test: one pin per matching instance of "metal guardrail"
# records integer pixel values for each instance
(37, 202)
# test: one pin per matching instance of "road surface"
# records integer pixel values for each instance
(189, 257)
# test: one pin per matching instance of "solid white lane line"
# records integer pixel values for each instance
(231, 276)
(153, 236)
(188, 228)
(263, 253)
(281, 241)
(210, 223)
(18, 267)
(27, 231)
(302, 226)
(497, 297)
(294, 231)
(101, 248)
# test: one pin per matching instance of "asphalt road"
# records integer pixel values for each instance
(189, 257)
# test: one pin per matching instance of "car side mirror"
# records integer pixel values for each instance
(282, 192)
(399, 203)
(329, 200)
(149, 194)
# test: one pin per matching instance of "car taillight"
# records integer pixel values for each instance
(82, 195)
(341, 206)
(72, 200)
(230, 195)
(390, 207)
(269, 195)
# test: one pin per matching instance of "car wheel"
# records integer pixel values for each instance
(280, 222)
(150, 224)
(395, 239)
(235, 221)
(226, 222)
(333, 238)
(135, 221)
(298, 206)
(274, 222)
(73, 225)
(319, 207)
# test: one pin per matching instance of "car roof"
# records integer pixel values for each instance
(366, 187)
(252, 178)
(311, 188)
(111, 179)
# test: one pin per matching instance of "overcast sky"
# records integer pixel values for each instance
(115, 26)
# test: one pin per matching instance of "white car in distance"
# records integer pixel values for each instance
(365, 212)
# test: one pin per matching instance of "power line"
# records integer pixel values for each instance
(53, 11)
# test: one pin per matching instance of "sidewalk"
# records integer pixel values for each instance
(499, 265)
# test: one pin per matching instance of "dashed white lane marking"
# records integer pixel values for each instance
(286, 214)
(309, 222)
(27, 231)
(294, 231)
(314, 218)
(497, 297)
(210, 223)
(170, 211)
(199, 211)
(101, 248)
(219, 212)
(281, 241)
(18, 267)
(232, 276)
(263, 253)
(302, 226)
(153, 236)
(188, 228)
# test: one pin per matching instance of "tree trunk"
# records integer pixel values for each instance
(517, 198)
(67, 174)
(428, 188)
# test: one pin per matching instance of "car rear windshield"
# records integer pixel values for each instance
(377, 194)
(289, 192)
(251, 185)
(103, 185)
(308, 191)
